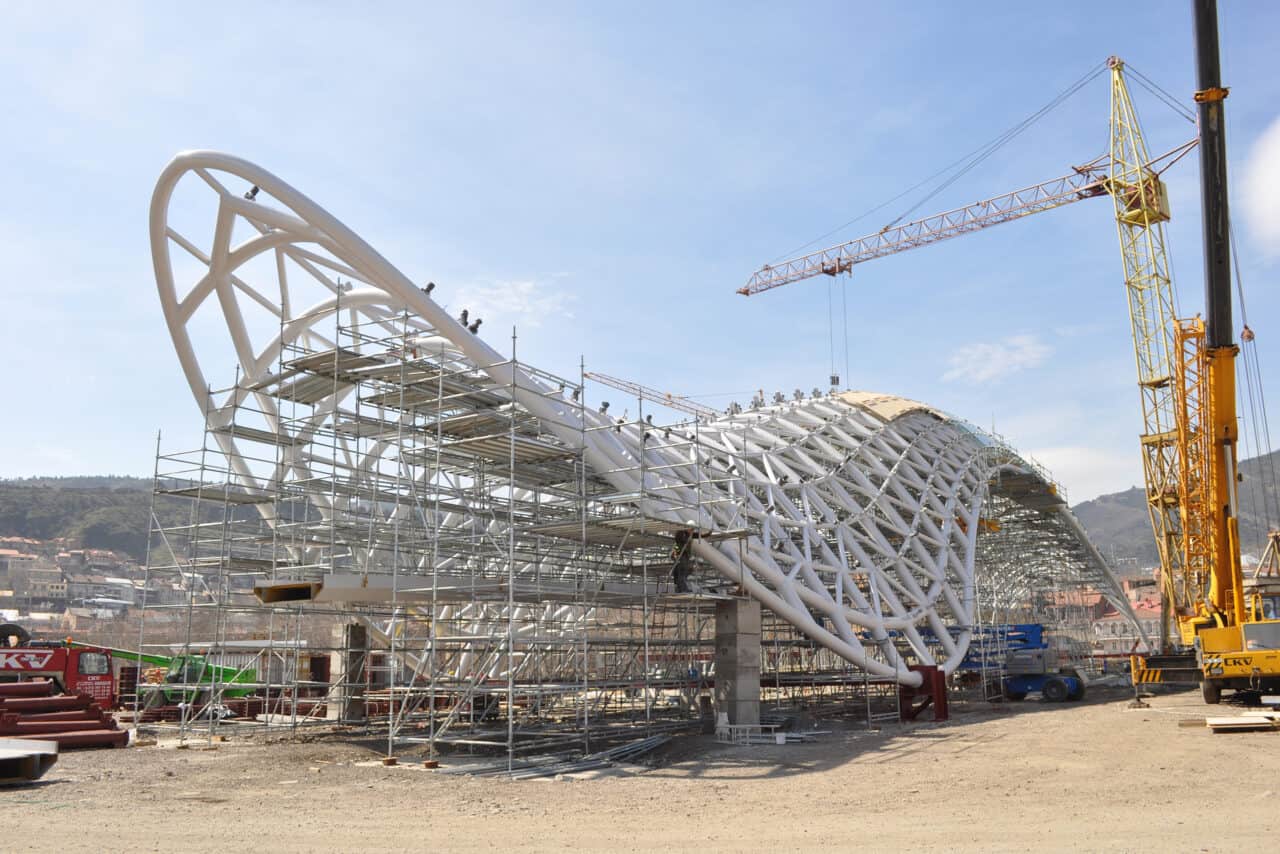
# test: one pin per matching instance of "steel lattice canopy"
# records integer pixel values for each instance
(858, 518)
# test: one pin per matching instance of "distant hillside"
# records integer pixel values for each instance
(1119, 520)
(108, 512)
(96, 481)
(1118, 524)
(97, 512)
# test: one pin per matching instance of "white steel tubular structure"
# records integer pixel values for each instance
(858, 519)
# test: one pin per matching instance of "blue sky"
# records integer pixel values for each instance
(605, 176)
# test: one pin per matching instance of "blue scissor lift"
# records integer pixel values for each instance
(1019, 655)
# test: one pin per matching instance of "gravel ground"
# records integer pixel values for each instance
(1022, 777)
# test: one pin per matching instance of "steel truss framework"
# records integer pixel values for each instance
(495, 532)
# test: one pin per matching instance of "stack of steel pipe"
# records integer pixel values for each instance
(30, 710)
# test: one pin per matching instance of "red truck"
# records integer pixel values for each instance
(75, 670)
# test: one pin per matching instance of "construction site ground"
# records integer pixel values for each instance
(1027, 776)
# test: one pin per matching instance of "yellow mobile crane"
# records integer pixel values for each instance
(1186, 378)
(1231, 642)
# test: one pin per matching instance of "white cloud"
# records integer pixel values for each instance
(1261, 190)
(1086, 472)
(526, 303)
(987, 362)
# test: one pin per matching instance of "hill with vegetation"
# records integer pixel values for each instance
(94, 512)
(108, 512)
(1119, 525)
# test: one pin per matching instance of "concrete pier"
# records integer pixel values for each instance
(346, 700)
(738, 660)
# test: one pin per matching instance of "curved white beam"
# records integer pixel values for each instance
(862, 512)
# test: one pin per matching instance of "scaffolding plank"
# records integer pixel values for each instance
(219, 492)
(307, 389)
(429, 400)
(355, 588)
(253, 434)
(340, 363)
(495, 448)
(599, 533)
(485, 422)
(1029, 490)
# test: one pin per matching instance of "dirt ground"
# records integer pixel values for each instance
(1022, 777)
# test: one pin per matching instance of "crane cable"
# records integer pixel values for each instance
(831, 330)
(1162, 94)
(982, 154)
(979, 154)
(831, 327)
(967, 163)
(844, 309)
(1269, 505)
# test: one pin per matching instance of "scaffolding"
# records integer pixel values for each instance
(391, 525)
(506, 596)
(428, 562)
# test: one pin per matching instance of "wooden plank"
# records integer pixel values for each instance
(1240, 724)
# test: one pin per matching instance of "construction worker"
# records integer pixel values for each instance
(682, 563)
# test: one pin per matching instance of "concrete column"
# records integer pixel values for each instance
(738, 660)
(346, 699)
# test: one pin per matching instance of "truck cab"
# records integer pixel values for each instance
(74, 670)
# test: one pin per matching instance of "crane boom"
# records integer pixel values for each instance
(1220, 432)
(665, 398)
(1085, 182)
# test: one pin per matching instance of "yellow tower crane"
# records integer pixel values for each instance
(1186, 378)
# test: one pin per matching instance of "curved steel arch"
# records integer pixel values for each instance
(860, 514)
